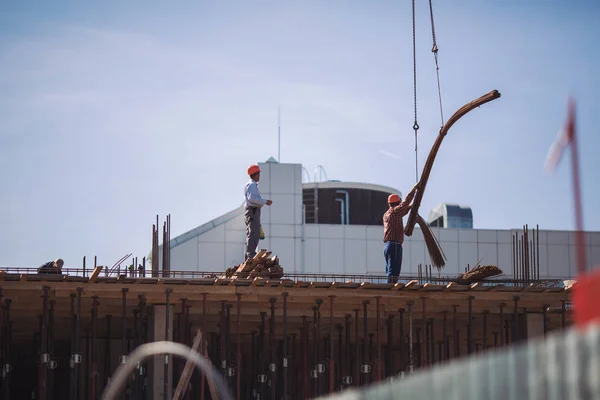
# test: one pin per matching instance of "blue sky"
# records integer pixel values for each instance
(113, 112)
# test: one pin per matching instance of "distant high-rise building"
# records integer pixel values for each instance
(451, 216)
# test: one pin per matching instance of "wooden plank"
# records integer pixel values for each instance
(412, 285)
(186, 375)
(455, 287)
(399, 286)
(480, 287)
(95, 273)
(430, 287)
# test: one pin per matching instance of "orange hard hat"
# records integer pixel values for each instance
(253, 169)
(393, 198)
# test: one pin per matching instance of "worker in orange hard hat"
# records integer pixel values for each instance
(393, 233)
(253, 202)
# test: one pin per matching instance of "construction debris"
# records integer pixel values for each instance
(263, 265)
(477, 274)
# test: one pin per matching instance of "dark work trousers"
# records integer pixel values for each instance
(252, 219)
(393, 260)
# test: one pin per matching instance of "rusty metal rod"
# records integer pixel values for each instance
(331, 360)
(401, 333)
(167, 385)
(44, 342)
(378, 337)
(424, 316)
(272, 300)
(238, 362)
(356, 362)
(284, 351)
(455, 332)
(93, 349)
(410, 337)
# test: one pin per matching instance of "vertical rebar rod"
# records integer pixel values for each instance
(501, 317)
(166, 393)
(44, 343)
(485, 334)
(378, 336)
(93, 349)
(285, 348)
(470, 326)
(424, 316)
(410, 337)
(356, 363)
(390, 345)
(238, 360)
(272, 348)
(455, 332)
(204, 335)
(401, 333)
(331, 360)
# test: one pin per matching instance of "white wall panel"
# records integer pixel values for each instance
(487, 236)
(355, 232)
(467, 235)
(312, 230)
(355, 256)
(236, 236)
(467, 255)
(184, 257)
(312, 260)
(450, 249)
(234, 254)
(265, 213)
(331, 231)
(282, 179)
(556, 237)
(297, 209)
(375, 233)
(544, 272)
(332, 251)
(417, 256)
(558, 257)
(217, 234)
(298, 255)
(505, 258)
(282, 209)
(211, 256)
(595, 238)
(504, 236)
(280, 230)
(448, 235)
(284, 248)
(375, 259)
(236, 223)
(488, 254)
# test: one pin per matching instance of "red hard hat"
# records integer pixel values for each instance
(253, 169)
(393, 198)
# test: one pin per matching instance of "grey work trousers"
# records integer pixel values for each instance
(252, 219)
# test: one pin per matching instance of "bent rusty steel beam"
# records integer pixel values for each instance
(412, 217)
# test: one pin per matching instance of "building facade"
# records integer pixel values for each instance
(343, 233)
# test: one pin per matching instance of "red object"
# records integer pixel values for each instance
(393, 198)
(253, 169)
(586, 298)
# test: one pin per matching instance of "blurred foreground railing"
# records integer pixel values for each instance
(565, 365)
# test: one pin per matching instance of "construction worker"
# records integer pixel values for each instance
(52, 267)
(253, 202)
(393, 233)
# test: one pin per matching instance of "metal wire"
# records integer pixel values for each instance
(144, 351)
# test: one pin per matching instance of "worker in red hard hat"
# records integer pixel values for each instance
(393, 233)
(253, 202)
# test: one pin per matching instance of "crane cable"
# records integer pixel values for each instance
(416, 124)
(434, 50)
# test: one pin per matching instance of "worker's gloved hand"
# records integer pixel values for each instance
(262, 233)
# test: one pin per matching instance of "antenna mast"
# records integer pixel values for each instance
(279, 132)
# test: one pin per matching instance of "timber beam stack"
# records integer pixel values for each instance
(263, 265)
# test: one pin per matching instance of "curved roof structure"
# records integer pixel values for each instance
(350, 185)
